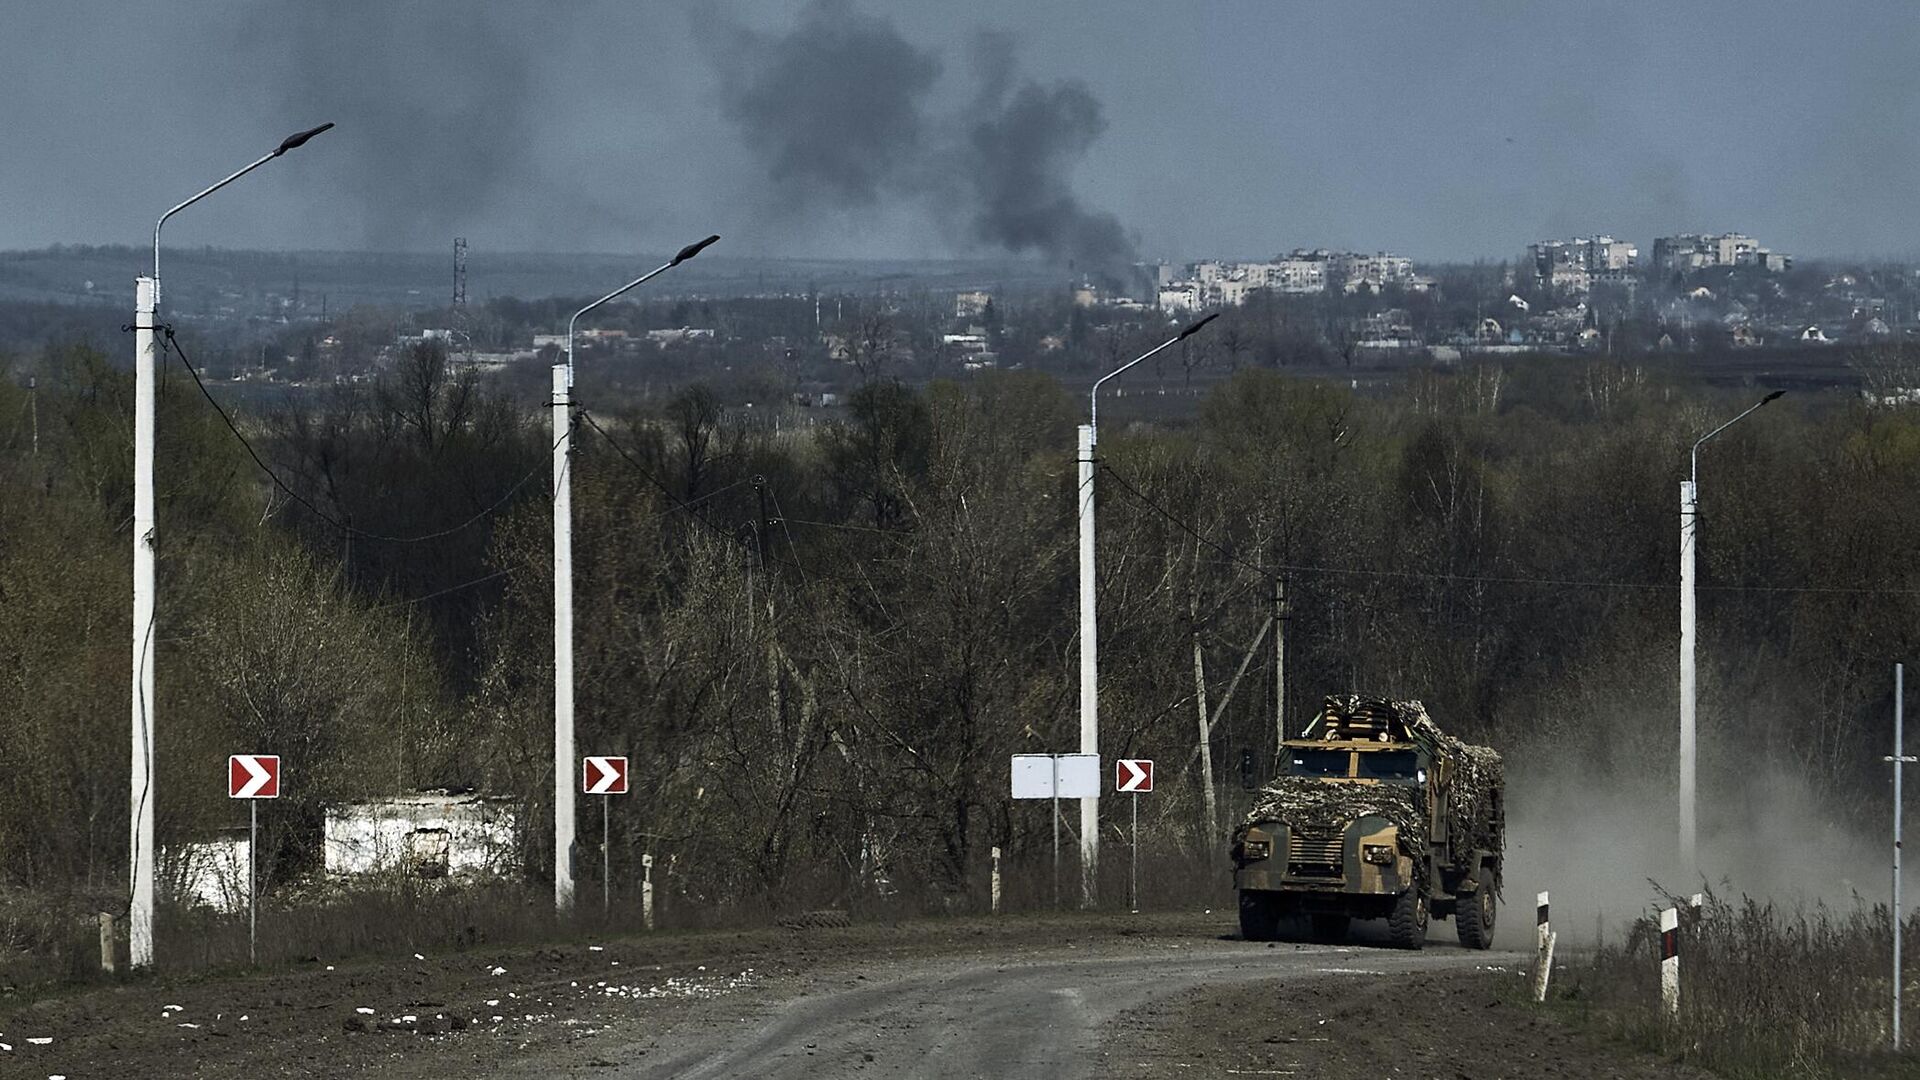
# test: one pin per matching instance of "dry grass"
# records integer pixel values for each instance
(1765, 992)
(48, 941)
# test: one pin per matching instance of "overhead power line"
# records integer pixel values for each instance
(173, 344)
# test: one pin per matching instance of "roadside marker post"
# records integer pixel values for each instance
(106, 942)
(1131, 776)
(996, 881)
(605, 777)
(253, 777)
(646, 891)
(1056, 777)
(1544, 938)
(1900, 757)
(1670, 962)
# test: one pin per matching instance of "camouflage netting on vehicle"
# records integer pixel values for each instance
(1314, 805)
(1473, 796)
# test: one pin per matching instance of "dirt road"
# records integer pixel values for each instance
(1048, 1015)
(1044, 995)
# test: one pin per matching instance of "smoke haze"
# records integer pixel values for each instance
(1223, 130)
(439, 108)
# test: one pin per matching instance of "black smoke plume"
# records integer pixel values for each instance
(835, 111)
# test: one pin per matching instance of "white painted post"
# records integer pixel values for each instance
(1670, 962)
(646, 891)
(1089, 673)
(563, 823)
(106, 943)
(1543, 948)
(995, 892)
(1689, 520)
(142, 788)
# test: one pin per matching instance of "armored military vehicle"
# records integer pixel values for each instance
(1376, 814)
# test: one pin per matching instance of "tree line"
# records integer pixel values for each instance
(820, 644)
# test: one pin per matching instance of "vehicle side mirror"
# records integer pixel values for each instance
(1249, 771)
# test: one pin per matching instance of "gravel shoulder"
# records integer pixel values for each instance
(1471, 1022)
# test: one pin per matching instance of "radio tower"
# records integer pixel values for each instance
(462, 329)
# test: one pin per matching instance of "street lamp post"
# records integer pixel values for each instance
(563, 813)
(1689, 537)
(1089, 634)
(140, 862)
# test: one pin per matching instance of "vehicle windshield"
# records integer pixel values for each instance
(1319, 763)
(1389, 764)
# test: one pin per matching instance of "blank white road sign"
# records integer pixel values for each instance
(1034, 775)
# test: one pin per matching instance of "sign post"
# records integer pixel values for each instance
(1056, 777)
(253, 777)
(606, 777)
(1131, 776)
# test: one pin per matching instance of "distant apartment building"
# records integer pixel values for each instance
(1300, 273)
(1578, 264)
(1180, 296)
(971, 305)
(1696, 251)
(1353, 270)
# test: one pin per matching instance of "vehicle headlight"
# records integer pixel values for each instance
(1254, 850)
(1377, 854)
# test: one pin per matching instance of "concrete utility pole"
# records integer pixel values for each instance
(146, 309)
(563, 814)
(563, 759)
(1279, 667)
(1900, 757)
(1089, 633)
(1689, 540)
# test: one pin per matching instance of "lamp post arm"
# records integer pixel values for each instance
(596, 304)
(291, 142)
(158, 225)
(1695, 471)
(683, 255)
(1093, 396)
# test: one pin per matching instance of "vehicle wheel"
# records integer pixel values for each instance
(1330, 929)
(1473, 915)
(1259, 915)
(1407, 926)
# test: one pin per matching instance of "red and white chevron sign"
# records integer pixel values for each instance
(253, 776)
(604, 776)
(1133, 774)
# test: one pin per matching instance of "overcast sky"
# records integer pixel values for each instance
(1442, 131)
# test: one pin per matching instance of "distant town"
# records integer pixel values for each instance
(806, 331)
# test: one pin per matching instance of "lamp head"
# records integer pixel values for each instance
(1771, 396)
(299, 139)
(691, 250)
(1195, 328)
